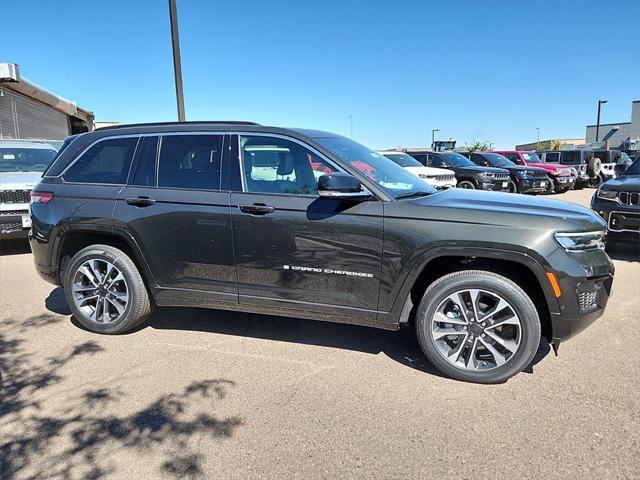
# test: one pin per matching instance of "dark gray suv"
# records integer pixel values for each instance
(309, 224)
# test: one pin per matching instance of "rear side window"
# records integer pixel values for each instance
(190, 161)
(552, 157)
(107, 161)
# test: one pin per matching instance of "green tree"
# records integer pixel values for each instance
(479, 146)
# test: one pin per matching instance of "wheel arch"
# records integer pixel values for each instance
(73, 240)
(521, 268)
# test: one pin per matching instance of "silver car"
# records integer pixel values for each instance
(21, 166)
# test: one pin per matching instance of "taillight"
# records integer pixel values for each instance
(41, 197)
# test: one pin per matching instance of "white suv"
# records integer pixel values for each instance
(436, 177)
(21, 166)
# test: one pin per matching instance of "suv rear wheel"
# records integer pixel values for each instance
(105, 291)
(477, 326)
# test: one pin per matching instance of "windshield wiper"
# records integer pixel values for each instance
(420, 193)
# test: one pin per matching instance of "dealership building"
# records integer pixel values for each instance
(28, 111)
(623, 136)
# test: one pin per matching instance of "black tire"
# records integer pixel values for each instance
(513, 188)
(438, 291)
(551, 188)
(595, 182)
(138, 307)
(468, 184)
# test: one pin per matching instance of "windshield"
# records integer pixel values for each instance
(403, 159)
(634, 168)
(497, 160)
(457, 160)
(530, 157)
(391, 177)
(25, 159)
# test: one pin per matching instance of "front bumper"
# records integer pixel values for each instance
(15, 221)
(533, 185)
(623, 221)
(563, 182)
(585, 280)
(499, 186)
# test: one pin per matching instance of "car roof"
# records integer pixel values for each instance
(34, 145)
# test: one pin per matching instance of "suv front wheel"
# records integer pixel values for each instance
(105, 290)
(477, 326)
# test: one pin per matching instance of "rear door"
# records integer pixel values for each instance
(176, 207)
(294, 249)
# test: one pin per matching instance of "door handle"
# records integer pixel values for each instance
(257, 209)
(140, 201)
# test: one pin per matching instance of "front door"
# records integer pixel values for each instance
(178, 212)
(294, 249)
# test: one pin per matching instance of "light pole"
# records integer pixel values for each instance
(600, 102)
(433, 136)
(538, 143)
(351, 126)
(177, 65)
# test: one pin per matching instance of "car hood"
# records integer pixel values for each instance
(478, 168)
(19, 180)
(549, 167)
(429, 171)
(498, 209)
(518, 168)
(626, 183)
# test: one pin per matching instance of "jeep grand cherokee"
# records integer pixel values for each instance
(239, 216)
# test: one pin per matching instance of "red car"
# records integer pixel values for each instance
(562, 177)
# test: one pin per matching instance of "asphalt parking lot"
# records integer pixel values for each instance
(209, 394)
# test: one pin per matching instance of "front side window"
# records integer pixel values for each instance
(392, 178)
(276, 165)
(107, 161)
(190, 161)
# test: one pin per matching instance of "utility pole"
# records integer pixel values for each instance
(177, 64)
(538, 143)
(600, 102)
(351, 125)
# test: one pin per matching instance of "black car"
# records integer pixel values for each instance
(468, 174)
(617, 201)
(309, 224)
(523, 179)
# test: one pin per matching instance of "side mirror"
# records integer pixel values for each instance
(620, 168)
(341, 185)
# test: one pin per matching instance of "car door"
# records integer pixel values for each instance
(293, 248)
(176, 207)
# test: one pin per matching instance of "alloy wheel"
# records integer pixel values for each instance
(476, 330)
(100, 291)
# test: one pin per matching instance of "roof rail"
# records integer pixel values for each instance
(161, 124)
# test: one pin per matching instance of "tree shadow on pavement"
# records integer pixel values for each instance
(52, 428)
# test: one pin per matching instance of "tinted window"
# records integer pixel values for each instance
(276, 165)
(403, 159)
(437, 162)
(25, 159)
(422, 158)
(145, 173)
(552, 157)
(190, 161)
(513, 157)
(107, 161)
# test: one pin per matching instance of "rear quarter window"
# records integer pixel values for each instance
(107, 161)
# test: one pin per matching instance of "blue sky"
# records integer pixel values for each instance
(487, 70)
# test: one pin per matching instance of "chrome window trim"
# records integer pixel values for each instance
(139, 135)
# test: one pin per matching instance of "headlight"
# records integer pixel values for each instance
(527, 173)
(607, 194)
(422, 175)
(487, 175)
(577, 241)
